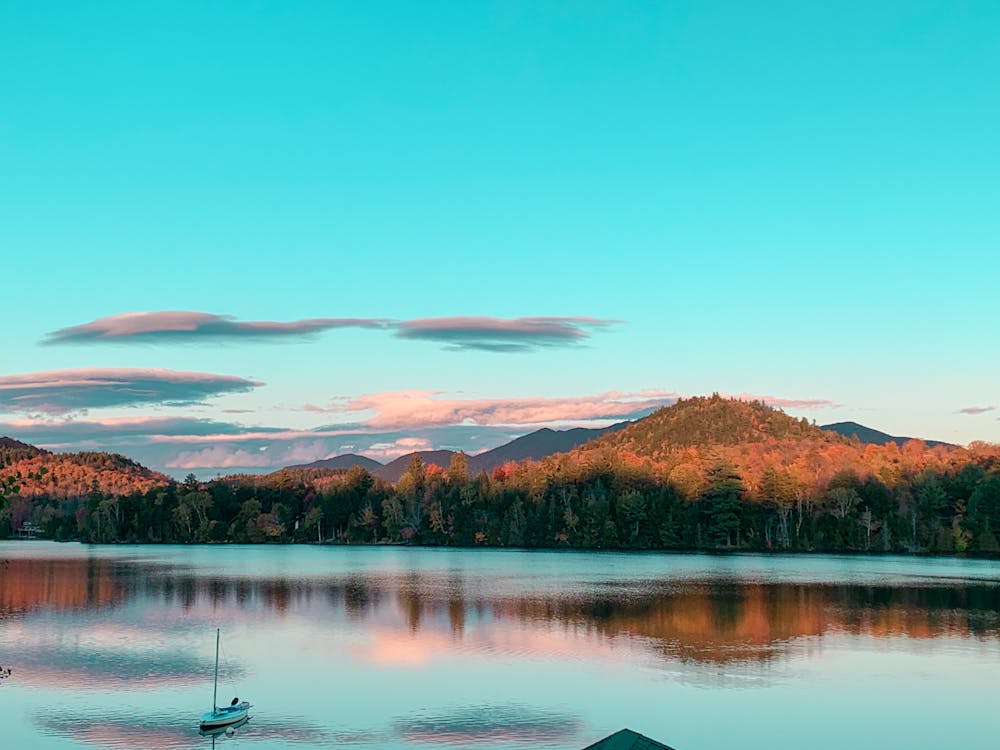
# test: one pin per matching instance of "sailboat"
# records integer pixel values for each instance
(229, 716)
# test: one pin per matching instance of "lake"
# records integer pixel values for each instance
(389, 647)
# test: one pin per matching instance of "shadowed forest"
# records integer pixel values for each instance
(704, 474)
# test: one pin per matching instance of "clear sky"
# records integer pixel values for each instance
(792, 200)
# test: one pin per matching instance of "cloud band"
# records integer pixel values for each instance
(456, 333)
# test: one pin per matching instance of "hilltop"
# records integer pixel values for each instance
(712, 420)
(41, 472)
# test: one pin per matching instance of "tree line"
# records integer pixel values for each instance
(569, 502)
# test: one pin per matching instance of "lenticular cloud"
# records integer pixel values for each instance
(63, 391)
(456, 333)
(501, 334)
(188, 326)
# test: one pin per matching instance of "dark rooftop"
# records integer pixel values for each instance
(626, 739)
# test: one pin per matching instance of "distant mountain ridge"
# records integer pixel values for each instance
(344, 461)
(531, 447)
(871, 436)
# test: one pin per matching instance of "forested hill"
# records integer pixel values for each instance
(36, 472)
(685, 442)
(707, 421)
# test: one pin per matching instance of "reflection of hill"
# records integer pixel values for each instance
(57, 584)
(723, 622)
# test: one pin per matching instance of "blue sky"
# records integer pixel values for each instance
(783, 199)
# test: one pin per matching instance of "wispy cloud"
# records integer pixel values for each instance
(220, 457)
(456, 333)
(387, 451)
(184, 326)
(64, 391)
(976, 410)
(111, 431)
(502, 334)
(408, 409)
(805, 404)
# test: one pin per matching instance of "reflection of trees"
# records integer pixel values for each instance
(58, 584)
(706, 621)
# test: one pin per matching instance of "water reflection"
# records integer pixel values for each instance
(227, 731)
(708, 621)
(340, 647)
(488, 725)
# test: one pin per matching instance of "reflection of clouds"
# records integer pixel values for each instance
(89, 663)
(172, 731)
(490, 724)
(399, 647)
(480, 725)
(105, 732)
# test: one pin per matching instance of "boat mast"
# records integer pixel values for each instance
(215, 684)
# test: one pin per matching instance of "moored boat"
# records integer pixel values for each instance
(223, 717)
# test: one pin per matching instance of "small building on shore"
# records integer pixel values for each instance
(28, 530)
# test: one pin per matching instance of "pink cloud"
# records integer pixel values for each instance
(410, 409)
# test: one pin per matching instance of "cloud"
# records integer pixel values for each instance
(787, 403)
(387, 451)
(976, 409)
(219, 457)
(501, 334)
(458, 333)
(226, 456)
(409, 409)
(64, 391)
(114, 429)
(183, 326)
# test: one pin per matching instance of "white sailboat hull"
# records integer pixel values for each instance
(224, 717)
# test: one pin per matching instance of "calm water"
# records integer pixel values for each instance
(421, 648)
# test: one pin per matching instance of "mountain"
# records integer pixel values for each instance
(346, 461)
(709, 421)
(870, 436)
(533, 446)
(73, 474)
(392, 471)
(537, 445)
